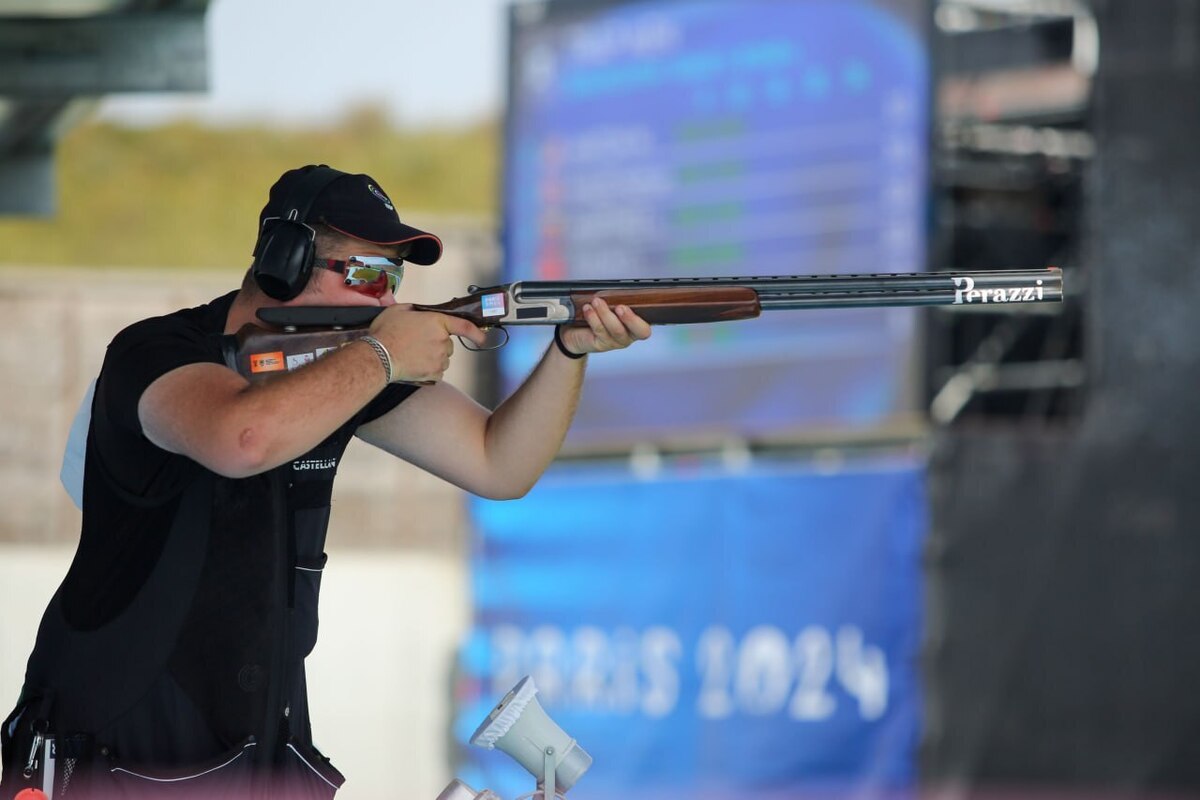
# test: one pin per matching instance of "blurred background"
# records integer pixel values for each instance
(865, 553)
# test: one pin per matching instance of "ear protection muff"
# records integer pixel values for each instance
(283, 254)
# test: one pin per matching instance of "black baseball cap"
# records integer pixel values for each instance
(353, 205)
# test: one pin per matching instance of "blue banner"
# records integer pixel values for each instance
(704, 635)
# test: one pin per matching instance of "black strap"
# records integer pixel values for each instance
(562, 347)
(306, 192)
(303, 196)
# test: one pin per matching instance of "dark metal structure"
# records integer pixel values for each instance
(57, 57)
(1011, 148)
(1061, 648)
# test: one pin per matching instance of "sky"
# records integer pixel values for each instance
(304, 61)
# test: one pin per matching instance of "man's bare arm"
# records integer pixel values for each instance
(501, 454)
(212, 415)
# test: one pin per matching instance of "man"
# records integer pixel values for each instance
(171, 660)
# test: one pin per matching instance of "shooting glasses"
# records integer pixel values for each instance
(371, 275)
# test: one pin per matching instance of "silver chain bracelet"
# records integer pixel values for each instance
(384, 356)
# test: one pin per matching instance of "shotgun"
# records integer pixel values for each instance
(300, 334)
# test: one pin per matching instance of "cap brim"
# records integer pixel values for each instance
(426, 248)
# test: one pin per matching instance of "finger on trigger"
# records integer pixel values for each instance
(462, 327)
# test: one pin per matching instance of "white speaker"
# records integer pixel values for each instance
(457, 790)
(519, 727)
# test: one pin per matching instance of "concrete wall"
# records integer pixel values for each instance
(395, 598)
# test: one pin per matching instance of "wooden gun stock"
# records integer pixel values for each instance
(257, 353)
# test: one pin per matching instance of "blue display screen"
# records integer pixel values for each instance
(760, 137)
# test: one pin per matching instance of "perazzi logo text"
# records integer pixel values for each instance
(965, 293)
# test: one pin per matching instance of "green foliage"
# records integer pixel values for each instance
(186, 195)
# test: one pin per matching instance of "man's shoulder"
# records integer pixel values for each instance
(195, 323)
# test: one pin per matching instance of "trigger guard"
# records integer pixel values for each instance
(469, 345)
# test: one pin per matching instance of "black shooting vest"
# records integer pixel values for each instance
(227, 614)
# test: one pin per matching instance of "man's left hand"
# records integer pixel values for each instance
(609, 328)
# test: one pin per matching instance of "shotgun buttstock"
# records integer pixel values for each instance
(257, 353)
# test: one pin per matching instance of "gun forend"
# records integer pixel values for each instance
(678, 306)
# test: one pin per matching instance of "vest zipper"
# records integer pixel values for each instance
(280, 685)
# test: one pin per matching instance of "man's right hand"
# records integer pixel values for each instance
(419, 341)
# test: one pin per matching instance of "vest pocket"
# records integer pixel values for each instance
(228, 776)
(307, 586)
(308, 775)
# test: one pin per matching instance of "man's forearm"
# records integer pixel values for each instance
(306, 406)
(502, 453)
(525, 433)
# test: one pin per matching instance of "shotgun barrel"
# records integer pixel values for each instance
(666, 299)
(872, 289)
